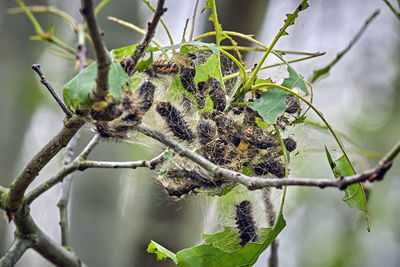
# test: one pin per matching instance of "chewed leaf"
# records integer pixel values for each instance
(161, 252)
(271, 105)
(294, 80)
(77, 90)
(208, 69)
(218, 249)
(354, 194)
(212, 47)
(218, 28)
(290, 18)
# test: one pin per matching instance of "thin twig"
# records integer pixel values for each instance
(80, 164)
(193, 20)
(151, 29)
(43, 80)
(171, 41)
(15, 252)
(24, 179)
(63, 201)
(86, 151)
(99, 92)
(319, 72)
(397, 14)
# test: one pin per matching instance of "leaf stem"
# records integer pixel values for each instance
(288, 22)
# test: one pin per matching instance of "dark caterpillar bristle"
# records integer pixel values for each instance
(292, 106)
(270, 166)
(245, 223)
(220, 152)
(134, 115)
(103, 111)
(217, 94)
(146, 94)
(128, 65)
(290, 144)
(207, 131)
(188, 182)
(250, 117)
(187, 74)
(255, 137)
(175, 121)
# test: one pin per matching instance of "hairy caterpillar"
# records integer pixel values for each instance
(270, 166)
(187, 76)
(175, 121)
(245, 222)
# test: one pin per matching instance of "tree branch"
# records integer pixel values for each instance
(43, 80)
(17, 249)
(99, 92)
(44, 245)
(81, 164)
(62, 203)
(253, 183)
(151, 28)
(86, 151)
(14, 197)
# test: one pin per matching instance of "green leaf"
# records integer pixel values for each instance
(125, 51)
(208, 69)
(203, 72)
(354, 194)
(211, 46)
(218, 249)
(261, 123)
(76, 91)
(290, 18)
(248, 170)
(142, 65)
(161, 252)
(271, 104)
(319, 73)
(299, 120)
(294, 80)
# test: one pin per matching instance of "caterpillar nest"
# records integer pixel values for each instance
(178, 97)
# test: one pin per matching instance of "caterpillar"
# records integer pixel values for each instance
(187, 75)
(245, 223)
(290, 144)
(270, 166)
(207, 131)
(292, 106)
(187, 181)
(217, 94)
(164, 67)
(175, 121)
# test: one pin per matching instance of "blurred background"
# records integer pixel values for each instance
(115, 213)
